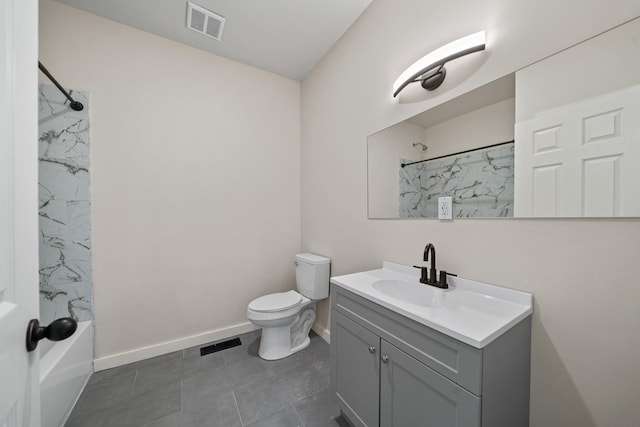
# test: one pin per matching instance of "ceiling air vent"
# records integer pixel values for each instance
(204, 21)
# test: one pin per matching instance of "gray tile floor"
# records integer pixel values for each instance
(230, 388)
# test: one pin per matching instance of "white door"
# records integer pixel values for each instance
(19, 382)
(581, 159)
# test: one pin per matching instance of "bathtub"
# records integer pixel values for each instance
(65, 367)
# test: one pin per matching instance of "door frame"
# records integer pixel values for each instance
(19, 59)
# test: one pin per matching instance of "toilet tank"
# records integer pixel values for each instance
(312, 275)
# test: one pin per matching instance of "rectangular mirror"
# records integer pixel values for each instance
(559, 138)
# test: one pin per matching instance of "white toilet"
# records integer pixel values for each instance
(287, 317)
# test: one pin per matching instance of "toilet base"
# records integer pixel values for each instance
(277, 351)
(282, 341)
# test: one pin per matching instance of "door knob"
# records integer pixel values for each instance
(57, 330)
(372, 349)
(385, 359)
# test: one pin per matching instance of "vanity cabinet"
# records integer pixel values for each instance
(390, 371)
(357, 370)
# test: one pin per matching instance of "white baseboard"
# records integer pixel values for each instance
(148, 352)
(323, 332)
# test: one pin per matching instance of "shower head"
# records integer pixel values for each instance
(421, 145)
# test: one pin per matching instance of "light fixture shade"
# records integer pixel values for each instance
(464, 46)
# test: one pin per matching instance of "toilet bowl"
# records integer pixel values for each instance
(285, 324)
(286, 317)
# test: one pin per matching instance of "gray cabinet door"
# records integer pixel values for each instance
(357, 368)
(412, 394)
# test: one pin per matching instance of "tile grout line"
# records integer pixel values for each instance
(297, 414)
(224, 359)
(134, 383)
(237, 408)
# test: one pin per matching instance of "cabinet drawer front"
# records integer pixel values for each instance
(356, 370)
(454, 359)
(412, 394)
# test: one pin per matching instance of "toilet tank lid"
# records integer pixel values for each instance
(312, 258)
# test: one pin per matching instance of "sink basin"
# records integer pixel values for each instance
(473, 312)
(412, 293)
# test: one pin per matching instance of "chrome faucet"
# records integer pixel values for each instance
(428, 276)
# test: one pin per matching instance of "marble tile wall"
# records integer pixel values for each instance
(66, 284)
(480, 182)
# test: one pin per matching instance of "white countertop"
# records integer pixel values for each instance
(472, 312)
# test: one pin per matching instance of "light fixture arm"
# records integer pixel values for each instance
(456, 49)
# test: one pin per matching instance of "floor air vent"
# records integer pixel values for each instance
(204, 21)
(220, 346)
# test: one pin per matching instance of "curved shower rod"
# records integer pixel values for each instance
(75, 105)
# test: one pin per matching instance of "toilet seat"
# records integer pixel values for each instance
(279, 301)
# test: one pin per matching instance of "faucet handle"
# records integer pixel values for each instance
(443, 279)
(442, 282)
(424, 274)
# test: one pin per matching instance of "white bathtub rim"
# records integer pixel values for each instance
(57, 351)
(64, 373)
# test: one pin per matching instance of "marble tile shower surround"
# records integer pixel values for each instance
(66, 283)
(480, 182)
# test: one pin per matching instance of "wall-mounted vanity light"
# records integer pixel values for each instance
(430, 71)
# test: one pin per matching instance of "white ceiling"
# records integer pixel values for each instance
(286, 37)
